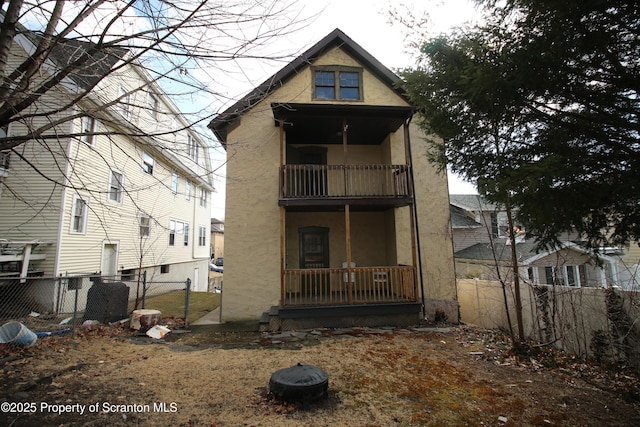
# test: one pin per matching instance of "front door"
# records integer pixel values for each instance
(314, 254)
(314, 247)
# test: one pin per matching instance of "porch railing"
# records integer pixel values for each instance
(358, 285)
(319, 181)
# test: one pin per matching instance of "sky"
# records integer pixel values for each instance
(367, 23)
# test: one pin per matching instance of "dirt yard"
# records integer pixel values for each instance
(420, 377)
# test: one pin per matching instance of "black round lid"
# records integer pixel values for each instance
(300, 375)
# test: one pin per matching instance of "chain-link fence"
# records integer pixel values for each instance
(60, 303)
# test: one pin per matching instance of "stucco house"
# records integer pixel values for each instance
(483, 251)
(333, 214)
(119, 185)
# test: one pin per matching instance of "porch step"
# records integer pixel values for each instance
(270, 321)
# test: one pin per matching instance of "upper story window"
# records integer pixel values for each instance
(187, 190)
(192, 146)
(88, 125)
(202, 236)
(339, 83)
(152, 102)
(147, 163)
(125, 103)
(79, 214)
(204, 196)
(145, 225)
(116, 186)
(175, 179)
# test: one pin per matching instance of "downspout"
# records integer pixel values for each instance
(407, 136)
(283, 214)
(57, 299)
(63, 204)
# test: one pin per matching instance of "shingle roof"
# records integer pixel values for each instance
(483, 251)
(460, 219)
(89, 63)
(472, 202)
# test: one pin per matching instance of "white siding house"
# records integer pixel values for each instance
(118, 184)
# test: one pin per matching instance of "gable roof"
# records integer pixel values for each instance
(337, 38)
(472, 202)
(527, 252)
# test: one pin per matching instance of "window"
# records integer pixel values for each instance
(116, 186)
(192, 147)
(349, 86)
(164, 268)
(568, 275)
(152, 102)
(174, 182)
(187, 190)
(128, 274)
(88, 125)
(125, 103)
(338, 83)
(145, 225)
(5, 156)
(178, 228)
(204, 195)
(5, 161)
(499, 224)
(147, 163)
(202, 236)
(172, 233)
(79, 214)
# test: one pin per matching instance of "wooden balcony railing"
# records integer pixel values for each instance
(345, 181)
(358, 285)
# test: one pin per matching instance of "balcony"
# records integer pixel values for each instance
(341, 286)
(335, 185)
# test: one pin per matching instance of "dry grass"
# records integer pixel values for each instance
(375, 379)
(172, 304)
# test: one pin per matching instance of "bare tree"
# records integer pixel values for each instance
(116, 71)
(182, 45)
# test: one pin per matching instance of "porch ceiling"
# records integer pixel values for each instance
(322, 123)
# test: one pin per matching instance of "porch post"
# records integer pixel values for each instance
(347, 227)
(347, 214)
(283, 234)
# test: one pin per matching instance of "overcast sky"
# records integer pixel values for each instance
(367, 23)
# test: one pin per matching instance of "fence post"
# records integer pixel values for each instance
(144, 287)
(186, 303)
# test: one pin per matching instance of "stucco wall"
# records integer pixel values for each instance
(252, 218)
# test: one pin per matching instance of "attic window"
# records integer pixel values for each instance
(340, 83)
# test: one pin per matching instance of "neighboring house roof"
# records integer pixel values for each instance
(527, 252)
(217, 226)
(472, 202)
(220, 124)
(88, 63)
(460, 218)
(483, 251)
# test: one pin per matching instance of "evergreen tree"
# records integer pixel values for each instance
(539, 105)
